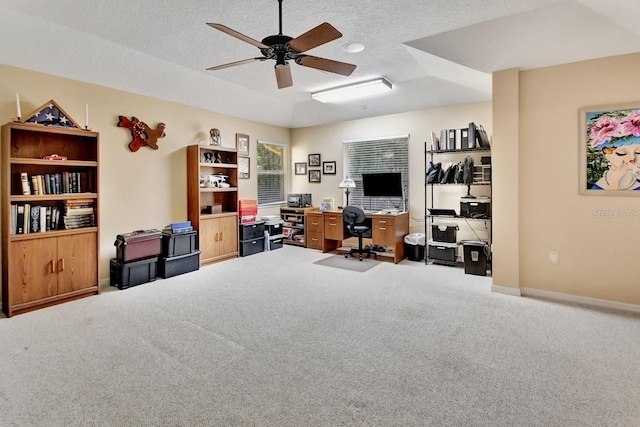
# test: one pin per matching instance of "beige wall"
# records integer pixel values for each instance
(145, 189)
(327, 141)
(597, 256)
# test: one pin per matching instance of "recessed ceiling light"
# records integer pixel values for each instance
(353, 47)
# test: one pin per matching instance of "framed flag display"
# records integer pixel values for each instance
(51, 114)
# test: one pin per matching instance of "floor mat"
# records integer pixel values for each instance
(352, 264)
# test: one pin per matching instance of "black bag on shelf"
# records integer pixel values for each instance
(468, 170)
(483, 138)
(448, 174)
(459, 175)
(434, 174)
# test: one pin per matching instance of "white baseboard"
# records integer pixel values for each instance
(579, 299)
(506, 290)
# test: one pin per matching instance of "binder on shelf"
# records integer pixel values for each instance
(464, 138)
(451, 142)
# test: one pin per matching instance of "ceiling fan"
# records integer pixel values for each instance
(284, 48)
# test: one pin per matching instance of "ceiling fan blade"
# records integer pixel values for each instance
(233, 64)
(315, 37)
(326, 64)
(283, 76)
(239, 36)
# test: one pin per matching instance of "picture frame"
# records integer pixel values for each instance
(314, 160)
(242, 144)
(314, 175)
(301, 168)
(329, 168)
(609, 144)
(244, 164)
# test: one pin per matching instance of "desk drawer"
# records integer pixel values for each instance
(314, 240)
(384, 223)
(314, 223)
(333, 227)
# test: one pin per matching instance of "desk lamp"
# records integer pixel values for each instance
(347, 183)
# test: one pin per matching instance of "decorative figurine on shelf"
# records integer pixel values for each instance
(142, 135)
(207, 157)
(214, 137)
(218, 158)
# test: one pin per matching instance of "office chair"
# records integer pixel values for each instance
(354, 218)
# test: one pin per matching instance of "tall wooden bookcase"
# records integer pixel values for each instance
(48, 267)
(212, 209)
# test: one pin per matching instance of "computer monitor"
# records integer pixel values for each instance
(382, 184)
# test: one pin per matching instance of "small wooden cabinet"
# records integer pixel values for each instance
(294, 227)
(212, 206)
(314, 230)
(58, 262)
(221, 237)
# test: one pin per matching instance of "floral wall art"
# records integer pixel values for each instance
(610, 150)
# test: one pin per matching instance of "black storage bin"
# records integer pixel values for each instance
(475, 258)
(127, 274)
(173, 266)
(250, 247)
(178, 244)
(251, 230)
(479, 207)
(440, 251)
(275, 243)
(274, 228)
(444, 232)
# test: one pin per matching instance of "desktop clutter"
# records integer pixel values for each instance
(143, 255)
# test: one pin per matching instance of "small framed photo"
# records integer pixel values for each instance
(314, 175)
(242, 144)
(329, 168)
(243, 167)
(301, 168)
(314, 160)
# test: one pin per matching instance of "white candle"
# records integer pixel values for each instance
(18, 105)
(86, 116)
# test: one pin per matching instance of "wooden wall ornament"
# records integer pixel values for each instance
(142, 135)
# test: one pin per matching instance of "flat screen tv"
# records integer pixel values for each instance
(382, 184)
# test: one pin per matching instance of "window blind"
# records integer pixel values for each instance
(271, 161)
(379, 155)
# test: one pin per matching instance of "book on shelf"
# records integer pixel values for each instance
(34, 219)
(20, 219)
(26, 188)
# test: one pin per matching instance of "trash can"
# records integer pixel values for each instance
(414, 246)
(475, 258)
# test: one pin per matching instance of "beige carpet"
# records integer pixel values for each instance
(351, 263)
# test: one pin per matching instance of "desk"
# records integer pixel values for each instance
(386, 230)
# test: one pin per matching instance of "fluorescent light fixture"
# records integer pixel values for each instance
(353, 91)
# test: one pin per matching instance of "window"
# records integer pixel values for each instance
(378, 155)
(271, 161)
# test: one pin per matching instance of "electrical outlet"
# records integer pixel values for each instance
(553, 257)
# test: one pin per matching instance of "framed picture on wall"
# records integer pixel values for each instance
(314, 160)
(301, 168)
(329, 168)
(243, 167)
(314, 175)
(609, 148)
(242, 144)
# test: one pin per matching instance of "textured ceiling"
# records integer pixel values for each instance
(436, 52)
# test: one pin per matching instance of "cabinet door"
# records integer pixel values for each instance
(383, 232)
(228, 238)
(77, 262)
(333, 228)
(209, 238)
(33, 268)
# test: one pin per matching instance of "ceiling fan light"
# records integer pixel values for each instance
(353, 47)
(353, 91)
